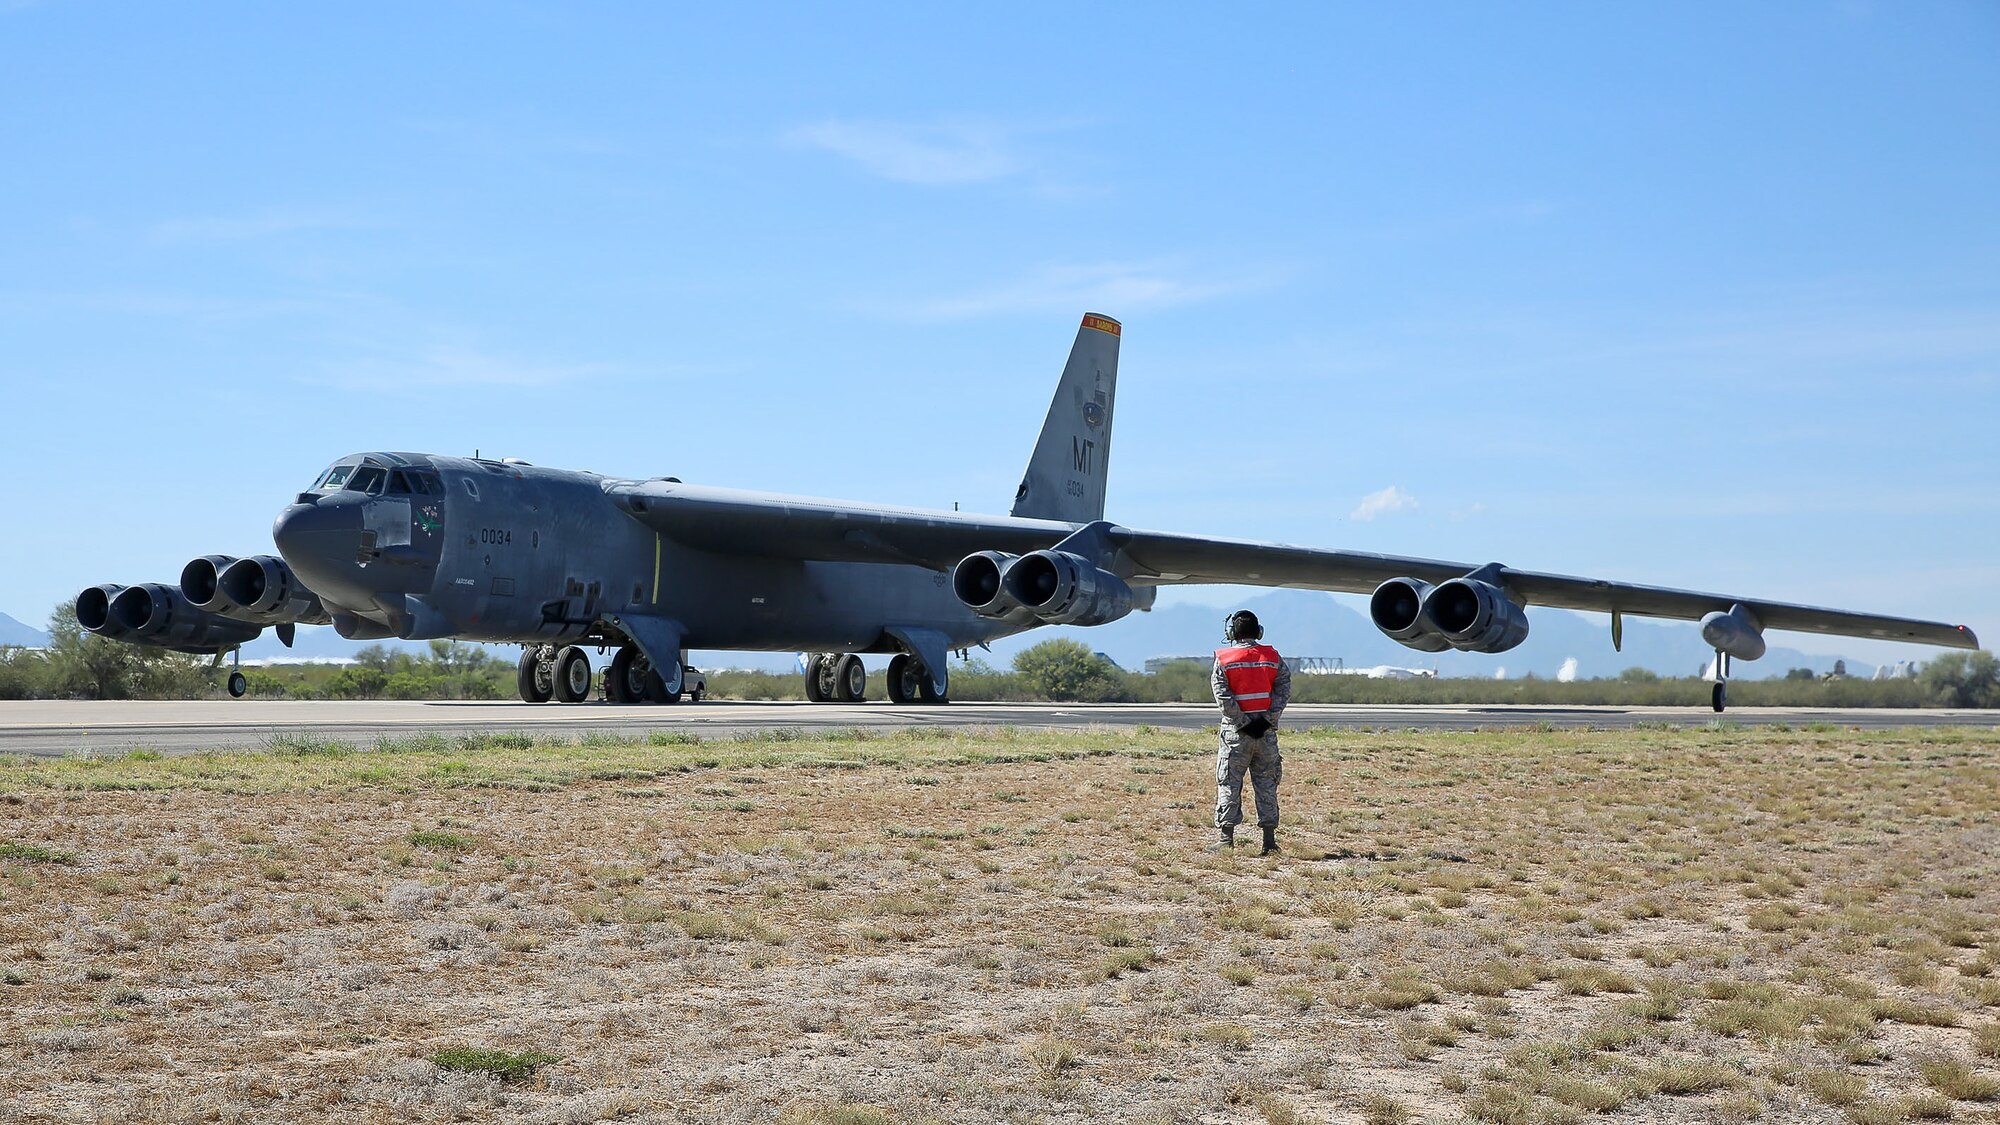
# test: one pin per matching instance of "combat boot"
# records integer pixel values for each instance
(1270, 840)
(1225, 839)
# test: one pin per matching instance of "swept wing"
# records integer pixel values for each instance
(735, 521)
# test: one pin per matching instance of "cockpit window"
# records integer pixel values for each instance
(399, 484)
(334, 478)
(426, 484)
(367, 479)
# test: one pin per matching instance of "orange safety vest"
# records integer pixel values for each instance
(1250, 670)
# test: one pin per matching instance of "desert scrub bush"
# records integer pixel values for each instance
(504, 1065)
(1834, 1087)
(1955, 1078)
(1381, 1109)
(1986, 1040)
(1122, 962)
(440, 840)
(1589, 980)
(1501, 1105)
(1051, 1056)
(1228, 1036)
(1275, 1110)
(1689, 1076)
(1910, 1012)
(1401, 990)
(34, 853)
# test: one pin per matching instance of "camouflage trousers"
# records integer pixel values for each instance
(1259, 757)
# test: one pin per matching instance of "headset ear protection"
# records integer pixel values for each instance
(1242, 626)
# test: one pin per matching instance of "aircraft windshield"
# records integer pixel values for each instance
(335, 477)
(367, 479)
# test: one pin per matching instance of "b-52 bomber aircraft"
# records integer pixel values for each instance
(421, 546)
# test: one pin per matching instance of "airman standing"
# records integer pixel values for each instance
(1252, 686)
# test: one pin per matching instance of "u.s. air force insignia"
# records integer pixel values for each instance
(1093, 413)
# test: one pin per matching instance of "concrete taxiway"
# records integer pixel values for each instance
(45, 728)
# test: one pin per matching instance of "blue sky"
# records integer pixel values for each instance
(1700, 295)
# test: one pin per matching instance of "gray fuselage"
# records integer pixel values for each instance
(510, 552)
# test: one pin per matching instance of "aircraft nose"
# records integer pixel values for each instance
(319, 539)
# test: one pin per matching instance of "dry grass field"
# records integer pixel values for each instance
(1708, 924)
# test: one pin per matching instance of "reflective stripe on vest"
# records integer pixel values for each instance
(1251, 671)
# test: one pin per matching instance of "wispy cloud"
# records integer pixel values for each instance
(1116, 288)
(266, 223)
(953, 151)
(1388, 500)
(450, 367)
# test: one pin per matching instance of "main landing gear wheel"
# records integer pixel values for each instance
(928, 694)
(238, 685)
(850, 679)
(572, 675)
(533, 676)
(910, 681)
(625, 680)
(817, 680)
(835, 677)
(1720, 697)
(631, 679)
(904, 675)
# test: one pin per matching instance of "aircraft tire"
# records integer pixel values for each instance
(572, 675)
(815, 690)
(621, 685)
(529, 678)
(903, 676)
(850, 679)
(928, 694)
(656, 689)
(1719, 699)
(238, 685)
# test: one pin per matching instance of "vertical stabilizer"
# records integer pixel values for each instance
(1065, 478)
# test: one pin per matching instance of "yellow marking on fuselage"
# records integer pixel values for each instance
(656, 568)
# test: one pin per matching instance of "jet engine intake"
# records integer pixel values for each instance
(1064, 589)
(153, 614)
(1397, 608)
(261, 590)
(979, 580)
(1736, 633)
(1476, 616)
(93, 610)
(198, 583)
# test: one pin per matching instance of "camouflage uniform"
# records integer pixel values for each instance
(1239, 752)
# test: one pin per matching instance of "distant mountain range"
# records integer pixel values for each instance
(1298, 622)
(14, 633)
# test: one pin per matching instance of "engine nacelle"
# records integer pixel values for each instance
(1736, 633)
(1063, 589)
(198, 583)
(93, 610)
(1475, 616)
(261, 590)
(154, 614)
(980, 582)
(1397, 608)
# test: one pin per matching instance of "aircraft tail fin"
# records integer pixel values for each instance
(1065, 477)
